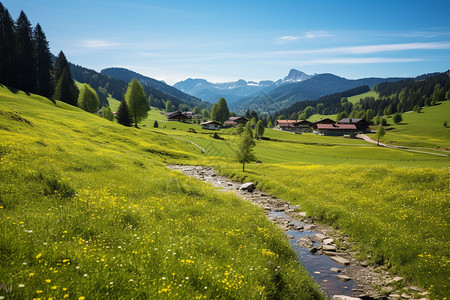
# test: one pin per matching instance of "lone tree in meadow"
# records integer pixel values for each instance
(137, 101)
(88, 99)
(259, 129)
(244, 152)
(397, 118)
(123, 114)
(380, 133)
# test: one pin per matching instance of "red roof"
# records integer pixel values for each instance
(336, 126)
(286, 123)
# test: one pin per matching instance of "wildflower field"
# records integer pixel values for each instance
(393, 203)
(88, 210)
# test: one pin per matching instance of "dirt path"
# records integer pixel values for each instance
(322, 250)
(368, 139)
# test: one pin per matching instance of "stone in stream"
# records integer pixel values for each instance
(329, 248)
(248, 186)
(337, 270)
(309, 227)
(343, 278)
(328, 241)
(340, 260)
(321, 236)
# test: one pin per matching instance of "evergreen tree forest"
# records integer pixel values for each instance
(25, 58)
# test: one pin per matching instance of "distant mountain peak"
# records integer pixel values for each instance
(296, 76)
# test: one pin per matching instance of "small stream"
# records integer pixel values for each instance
(318, 265)
(305, 239)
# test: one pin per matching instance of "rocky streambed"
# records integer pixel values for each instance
(323, 251)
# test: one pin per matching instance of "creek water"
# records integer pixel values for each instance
(317, 265)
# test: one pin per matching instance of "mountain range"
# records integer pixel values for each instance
(271, 96)
(234, 92)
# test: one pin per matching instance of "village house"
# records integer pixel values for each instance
(177, 116)
(293, 125)
(235, 121)
(335, 129)
(360, 124)
(212, 125)
(324, 121)
(303, 126)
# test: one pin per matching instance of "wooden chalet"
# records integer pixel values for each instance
(335, 129)
(361, 124)
(212, 125)
(303, 125)
(177, 116)
(324, 121)
(235, 121)
(285, 125)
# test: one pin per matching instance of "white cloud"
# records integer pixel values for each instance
(316, 34)
(287, 39)
(95, 44)
(370, 49)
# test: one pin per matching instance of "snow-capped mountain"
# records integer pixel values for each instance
(237, 90)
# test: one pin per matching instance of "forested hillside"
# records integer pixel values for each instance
(393, 97)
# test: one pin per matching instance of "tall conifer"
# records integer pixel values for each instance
(8, 71)
(25, 54)
(43, 63)
(123, 114)
(64, 89)
(68, 91)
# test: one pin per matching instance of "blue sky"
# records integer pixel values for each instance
(253, 40)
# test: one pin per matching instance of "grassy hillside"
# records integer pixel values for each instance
(424, 129)
(355, 99)
(88, 210)
(393, 203)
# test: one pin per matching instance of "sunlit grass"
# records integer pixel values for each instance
(88, 210)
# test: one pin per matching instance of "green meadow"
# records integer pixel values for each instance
(392, 202)
(88, 210)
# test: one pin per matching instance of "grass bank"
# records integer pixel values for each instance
(89, 210)
(398, 216)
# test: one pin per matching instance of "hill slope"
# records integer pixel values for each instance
(126, 75)
(89, 209)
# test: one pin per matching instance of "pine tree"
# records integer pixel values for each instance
(68, 92)
(64, 90)
(60, 64)
(43, 63)
(88, 99)
(8, 71)
(123, 114)
(137, 101)
(25, 54)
